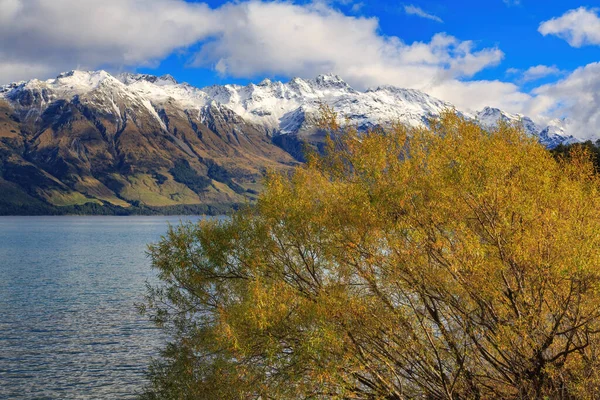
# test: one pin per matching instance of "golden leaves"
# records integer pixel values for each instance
(447, 262)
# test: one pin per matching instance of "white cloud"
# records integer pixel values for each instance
(475, 95)
(21, 71)
(247, 39)
(539, 72)
(578, 27)
(512, 2)
(576, 96)
(292, 40)
(284, 39)
(414, 10)
(356, 7)
(62, 34)
(535, 73)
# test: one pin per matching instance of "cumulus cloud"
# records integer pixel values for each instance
(578, 27)
(356, 7)
(577, 96)
(18, 71)
(535, 73)
(414, 10)
(67, 33)
(464, 95)
(239, 39)
(285, 39)
(292, 40)
(539, 72)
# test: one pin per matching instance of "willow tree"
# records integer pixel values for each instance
(441, 263)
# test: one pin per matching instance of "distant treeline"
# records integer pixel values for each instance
(109, 209)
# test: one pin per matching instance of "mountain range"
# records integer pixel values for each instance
(91, 142)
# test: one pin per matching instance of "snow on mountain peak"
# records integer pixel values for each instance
(556, 133)
(80, 80)
(300, 86)
(490, 117)
(130, 78)
(166, 79)
(330, 80)
(278, 107)
(265, 82)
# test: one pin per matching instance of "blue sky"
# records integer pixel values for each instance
(539, 58)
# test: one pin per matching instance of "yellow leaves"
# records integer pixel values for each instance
(403, 261)
(226, 334)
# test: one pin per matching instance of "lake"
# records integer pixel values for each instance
(68, 324)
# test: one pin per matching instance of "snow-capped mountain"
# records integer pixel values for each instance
(490, 117)
(279, 108)
(551, 135)
(555, 133)
(149, 144)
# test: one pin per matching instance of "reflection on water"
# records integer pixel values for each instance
(68, 325)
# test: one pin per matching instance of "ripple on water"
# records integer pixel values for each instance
(68, 325)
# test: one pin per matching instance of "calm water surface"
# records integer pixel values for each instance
(68, 325)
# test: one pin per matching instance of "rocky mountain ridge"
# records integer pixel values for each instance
(275, 106)
(92, 140)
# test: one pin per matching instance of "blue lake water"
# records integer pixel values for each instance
(68, 324)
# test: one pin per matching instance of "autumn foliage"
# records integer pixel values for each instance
(438, 263)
